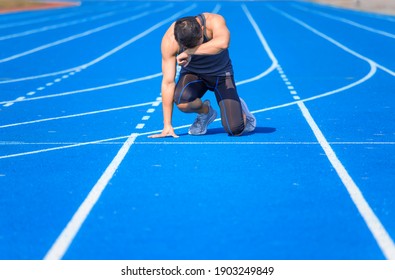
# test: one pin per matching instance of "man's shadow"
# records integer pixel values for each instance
(220, 130)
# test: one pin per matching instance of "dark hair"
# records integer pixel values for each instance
(187, 32)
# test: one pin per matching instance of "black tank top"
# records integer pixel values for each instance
(215, 65)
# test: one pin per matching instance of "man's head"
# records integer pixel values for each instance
(188, 32)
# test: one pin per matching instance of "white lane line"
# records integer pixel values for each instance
(333, 41)
(151, 110)
(140, 126)
(135, 80)
(80, 35)
(39, 20)
(381, 236)
(76, 115)
(265, 46)
(60, 25)
(8, 104)
(289, 85)
(378, 231)
(62, 147)
(41, 88)
(67, 145)
(64, 240)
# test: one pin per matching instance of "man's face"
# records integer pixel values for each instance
(199, 42)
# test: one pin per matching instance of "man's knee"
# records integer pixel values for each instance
(190, 107)
(234, 130)
(183, 107)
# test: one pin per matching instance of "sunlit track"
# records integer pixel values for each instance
(313, 181)
(111, 142)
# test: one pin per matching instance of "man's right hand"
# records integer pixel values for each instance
(168, 130)
(183, 59)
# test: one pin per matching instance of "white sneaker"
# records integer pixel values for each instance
(199, 126)
(251, 120)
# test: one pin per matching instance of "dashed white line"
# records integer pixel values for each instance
(289, 85)
(41, 88)
(8, 104)
(149, 111)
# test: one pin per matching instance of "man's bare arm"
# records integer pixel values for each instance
(169, 50)
(216, 26)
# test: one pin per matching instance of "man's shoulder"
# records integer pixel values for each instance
(169, 45)
(211, 17)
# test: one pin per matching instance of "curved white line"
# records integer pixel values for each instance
(368, 76)
(371, 73)
(107, 54)
(83, 34)
(16, 143)
(375, 226)
(54, 26)
(265, 46)
(39, 20)
(62, 147)
(261, 75)
(350, 22)
(333, 41)
(69, 23)
(274, 64)
(78, 115)
(87, 89)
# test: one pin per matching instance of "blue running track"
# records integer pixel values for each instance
(80, 179)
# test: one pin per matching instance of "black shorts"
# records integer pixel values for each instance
(192, 86)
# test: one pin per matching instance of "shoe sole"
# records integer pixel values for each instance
(248, 113)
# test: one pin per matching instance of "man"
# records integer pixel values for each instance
(200, 46)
